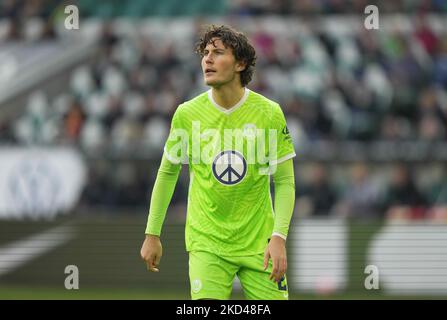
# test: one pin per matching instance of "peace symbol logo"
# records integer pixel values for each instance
(229, 167)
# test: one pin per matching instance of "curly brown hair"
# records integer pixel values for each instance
(243, 51)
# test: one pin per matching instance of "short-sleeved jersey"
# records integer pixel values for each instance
(231, 154)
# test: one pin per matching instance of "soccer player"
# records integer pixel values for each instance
(233, 140)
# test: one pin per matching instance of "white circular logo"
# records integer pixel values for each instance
(196, 285)
(35, 188)
(229, 167)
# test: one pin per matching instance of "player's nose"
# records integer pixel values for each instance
(207, 59)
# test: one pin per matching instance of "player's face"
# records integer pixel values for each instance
(219, 64)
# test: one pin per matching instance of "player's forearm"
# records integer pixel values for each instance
(162, 192)
(284, 182)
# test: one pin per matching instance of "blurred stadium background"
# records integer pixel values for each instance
(84, 114)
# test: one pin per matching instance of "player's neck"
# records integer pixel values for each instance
(228, 96)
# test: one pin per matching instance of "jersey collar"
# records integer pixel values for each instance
(233, 108)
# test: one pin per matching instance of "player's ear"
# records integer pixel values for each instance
(240, 66)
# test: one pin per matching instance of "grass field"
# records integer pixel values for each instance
(49, 293)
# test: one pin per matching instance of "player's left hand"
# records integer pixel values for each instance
(276, 250)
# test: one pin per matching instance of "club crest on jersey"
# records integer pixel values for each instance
(229, 167)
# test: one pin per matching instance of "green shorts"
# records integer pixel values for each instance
(211, 277)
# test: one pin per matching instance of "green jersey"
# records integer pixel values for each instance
(231, 154)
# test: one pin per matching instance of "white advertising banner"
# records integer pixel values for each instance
(411, 257)
(39, 182)
(319, 256)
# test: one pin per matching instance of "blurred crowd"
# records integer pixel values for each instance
(40, 19)
(360, 191)
(356, 85)
(398, 191)
(292, 7)
(362, 86)
(23, 19)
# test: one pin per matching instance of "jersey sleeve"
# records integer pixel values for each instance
(284, 182)
(176, 146)
(162, 192)
(284, 144)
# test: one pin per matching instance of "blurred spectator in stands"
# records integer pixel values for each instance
(10, 9)
(361, 198)
(438, 200)
(428, 104)
(318, 193)
(432, 119)
(244, 8)
(369, 45)
(264, 44)
(431, 128)
(311, 7)
(108, 38)
(432, 182)
(126, 185)
(6, 134)
(425, 35)
(31, 127)
(74, 120)
(394, 128)
(95, 193)
(405, 74)
(403, 200)
(30, 20)
(440, 63)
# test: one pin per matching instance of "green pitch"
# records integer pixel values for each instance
(48, 293)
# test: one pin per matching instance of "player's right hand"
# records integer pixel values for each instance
(276, 251)
(151, 252)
